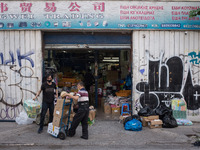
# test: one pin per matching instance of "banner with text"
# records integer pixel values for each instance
(97, 15)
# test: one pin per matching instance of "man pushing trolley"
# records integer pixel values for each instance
(83, 111)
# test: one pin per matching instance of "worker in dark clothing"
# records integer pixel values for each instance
(83, 111)
(49, 89)
(88, 79)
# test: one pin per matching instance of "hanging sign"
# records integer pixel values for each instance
(98, 15)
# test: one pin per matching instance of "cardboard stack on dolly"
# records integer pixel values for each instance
(63, 116)
(149, 118)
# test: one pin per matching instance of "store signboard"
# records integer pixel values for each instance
(98, 15)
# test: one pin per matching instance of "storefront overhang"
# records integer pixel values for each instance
(86, 46)
(87, 40)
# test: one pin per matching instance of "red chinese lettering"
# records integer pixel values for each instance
(74, 7)
(26, 7)
(3, 7)
(50, 7)
(99, 6)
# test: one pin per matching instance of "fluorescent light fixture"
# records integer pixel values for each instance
(111, 60)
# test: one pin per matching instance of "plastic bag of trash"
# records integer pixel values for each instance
(169, 121)
(23, 118)
(162, 111)
(147, 111)
(132, 117)
(133, 125)
(32, 108)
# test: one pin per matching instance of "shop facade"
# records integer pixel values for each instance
(158, 42)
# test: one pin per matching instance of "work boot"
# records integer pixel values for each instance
(40, 130)
(83, 137)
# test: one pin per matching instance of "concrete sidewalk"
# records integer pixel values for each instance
(101, 134)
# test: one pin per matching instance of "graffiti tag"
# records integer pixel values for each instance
(20, 57)
(195, 57)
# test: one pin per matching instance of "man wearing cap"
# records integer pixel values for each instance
(83, 111)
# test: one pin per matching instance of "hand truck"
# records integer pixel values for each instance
(64, 127)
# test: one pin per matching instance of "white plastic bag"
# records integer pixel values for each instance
(23, 118)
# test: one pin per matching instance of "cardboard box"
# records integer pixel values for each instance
(116, 110)
(112, 76)
(153, 117)
(53, 130)
(145, 120)
(59, 106)
(156, 123)
(56, 120)
(107, 108)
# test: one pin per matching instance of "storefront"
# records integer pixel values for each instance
(96, 58)
(156, 43)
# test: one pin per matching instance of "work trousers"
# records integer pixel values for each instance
(80, 117)
(45, 107)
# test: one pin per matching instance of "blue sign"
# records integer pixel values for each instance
(98, 15)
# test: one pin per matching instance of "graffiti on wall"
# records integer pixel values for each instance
(16, 82)
(195, 57)
(20, 57)
(166, 80)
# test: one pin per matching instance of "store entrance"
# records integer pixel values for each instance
(103, 68)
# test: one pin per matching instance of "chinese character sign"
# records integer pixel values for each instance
(128, 15)
(50, 7)
(26, 7)
(99, 6)
(74, 7)
(3, 7)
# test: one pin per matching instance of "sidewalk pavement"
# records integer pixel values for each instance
(102, 134)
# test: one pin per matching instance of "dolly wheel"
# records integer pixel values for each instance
(61, 135)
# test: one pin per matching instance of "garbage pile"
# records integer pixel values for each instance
(161, 117)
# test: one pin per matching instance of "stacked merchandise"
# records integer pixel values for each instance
(32, 108)
(58, 112)
(58, 119)
(111, 105)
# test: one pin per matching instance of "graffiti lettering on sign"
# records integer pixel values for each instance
(195, 57)
(20, 57)
(166, 82)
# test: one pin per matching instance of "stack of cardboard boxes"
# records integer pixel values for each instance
(58, 113)
(112, 109)
(151, 121)
(53, 128)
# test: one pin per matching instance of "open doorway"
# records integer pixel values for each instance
(108, 65)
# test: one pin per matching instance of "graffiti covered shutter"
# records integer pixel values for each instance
(20, 70)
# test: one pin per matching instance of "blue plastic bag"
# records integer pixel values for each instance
(133, 125)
